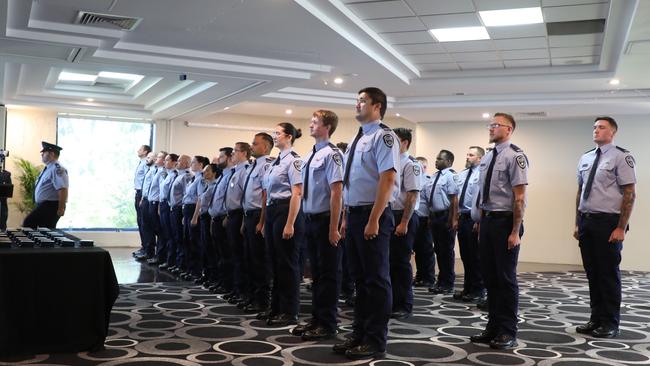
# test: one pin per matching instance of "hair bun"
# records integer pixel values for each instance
(298, 133)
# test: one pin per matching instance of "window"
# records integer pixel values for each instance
(100, 156)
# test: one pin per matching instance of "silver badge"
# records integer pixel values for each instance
(416, 170)
(521, 161)
(337, 159)
(297, 164)
(388, 140)
(630, 161)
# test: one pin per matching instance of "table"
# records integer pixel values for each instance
(55, 299)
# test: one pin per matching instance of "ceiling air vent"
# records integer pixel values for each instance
(122, 22)
(531, 114)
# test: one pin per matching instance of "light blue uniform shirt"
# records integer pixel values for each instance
(410, 178)
(325, 168)
(166, 184)
(472, 188)
(148, 178)
(53, 178)
(445, 186)
(154, 190)
(377, 151)
(616, 168)
(282, 175)
(423, 205)
(178, 187)
(217, 206)
(140, 172)
(206, 196)
(255, 174)
(195, 187)
(476, 211)
(510, 169)
(236, 187)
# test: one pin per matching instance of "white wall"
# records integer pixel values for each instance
(553, 148)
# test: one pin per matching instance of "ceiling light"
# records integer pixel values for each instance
(120, 76)
(90, 99)
(460, 34)
(614, 82)
(73, 76)
(226, 108)
(338, 81)
(486, 115)
(288, 111)
(397, 114)
(505, 17)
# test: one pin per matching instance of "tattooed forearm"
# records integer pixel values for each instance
(629, 195)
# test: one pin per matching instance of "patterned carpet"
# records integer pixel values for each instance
(178, 324)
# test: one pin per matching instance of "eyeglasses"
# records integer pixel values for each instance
(495, 125)
(276, 133)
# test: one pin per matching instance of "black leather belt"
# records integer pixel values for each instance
(599, 215)
(497, 214)
(235, 211)
(315, 216)
(251, 212)
(282, 201)
(153, 201)
(358, 209)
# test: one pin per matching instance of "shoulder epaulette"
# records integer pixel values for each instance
(590, 150)
(295, 154)
(516, 148)
(453, 171)
(332, 146)
(622, 149)
(413, 159)
(386, 128)
(58, 166)
(269, 159)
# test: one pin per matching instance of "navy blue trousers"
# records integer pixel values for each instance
(370, 267)
(257, 261)
(401, 271)
(237, 251)
(220, 239)
(139, 216)
(208, 252)
(325, 261)
(601, 260)
(162, 247)
(175, 254)
(425, 258)
(191, 241)
(147, 229)
(469, 254)
(444, 240)
(499, 267)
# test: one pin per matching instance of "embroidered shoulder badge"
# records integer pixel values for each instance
(297, 164)
(416, 170)
(337, 159)
(60, 171)
(521, 161)
(630, 161)
(388, 140)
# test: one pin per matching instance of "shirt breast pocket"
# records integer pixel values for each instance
(364, 152)
(606, 174)
(584, 172)
(501, 172)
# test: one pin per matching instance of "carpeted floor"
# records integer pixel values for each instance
(179, 324)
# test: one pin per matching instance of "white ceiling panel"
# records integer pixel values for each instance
(433, 58)
(407, 37)
(576, 12)
(449, 66)
(476, 56)
(13, 47)
(527, 63)
(432, 7)
(451, 20)
(524, 54)
(575, 51)
(518, 31)
(576, 40)
(481, 65)
(520, 43)
(564, 61)
(505, 4)
(415, 49)
(396, 24)
(570, 2)
(383, 9)
(469, 46)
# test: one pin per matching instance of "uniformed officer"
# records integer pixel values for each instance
(138, 180)
(322, 176)
(207, 251)
(283, 225)
(235, 220)
(503, 180)
(51, 190)
(146, 228)
(153, 197)
(164, 211)
(406, 202)
(176, 253)
(218, 213)
(606, 194)
(473, 287)
(425, 275)
(191, 233)
(252, 203)
(442, 196)
(372, 163)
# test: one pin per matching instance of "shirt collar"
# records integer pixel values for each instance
(284, 153)
(501, 146)
(262, 158)
(241, 166)
(370, 126)
(322, 144)
(605, 148)
(52, 162)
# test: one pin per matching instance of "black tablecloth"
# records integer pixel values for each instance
(55, 299)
